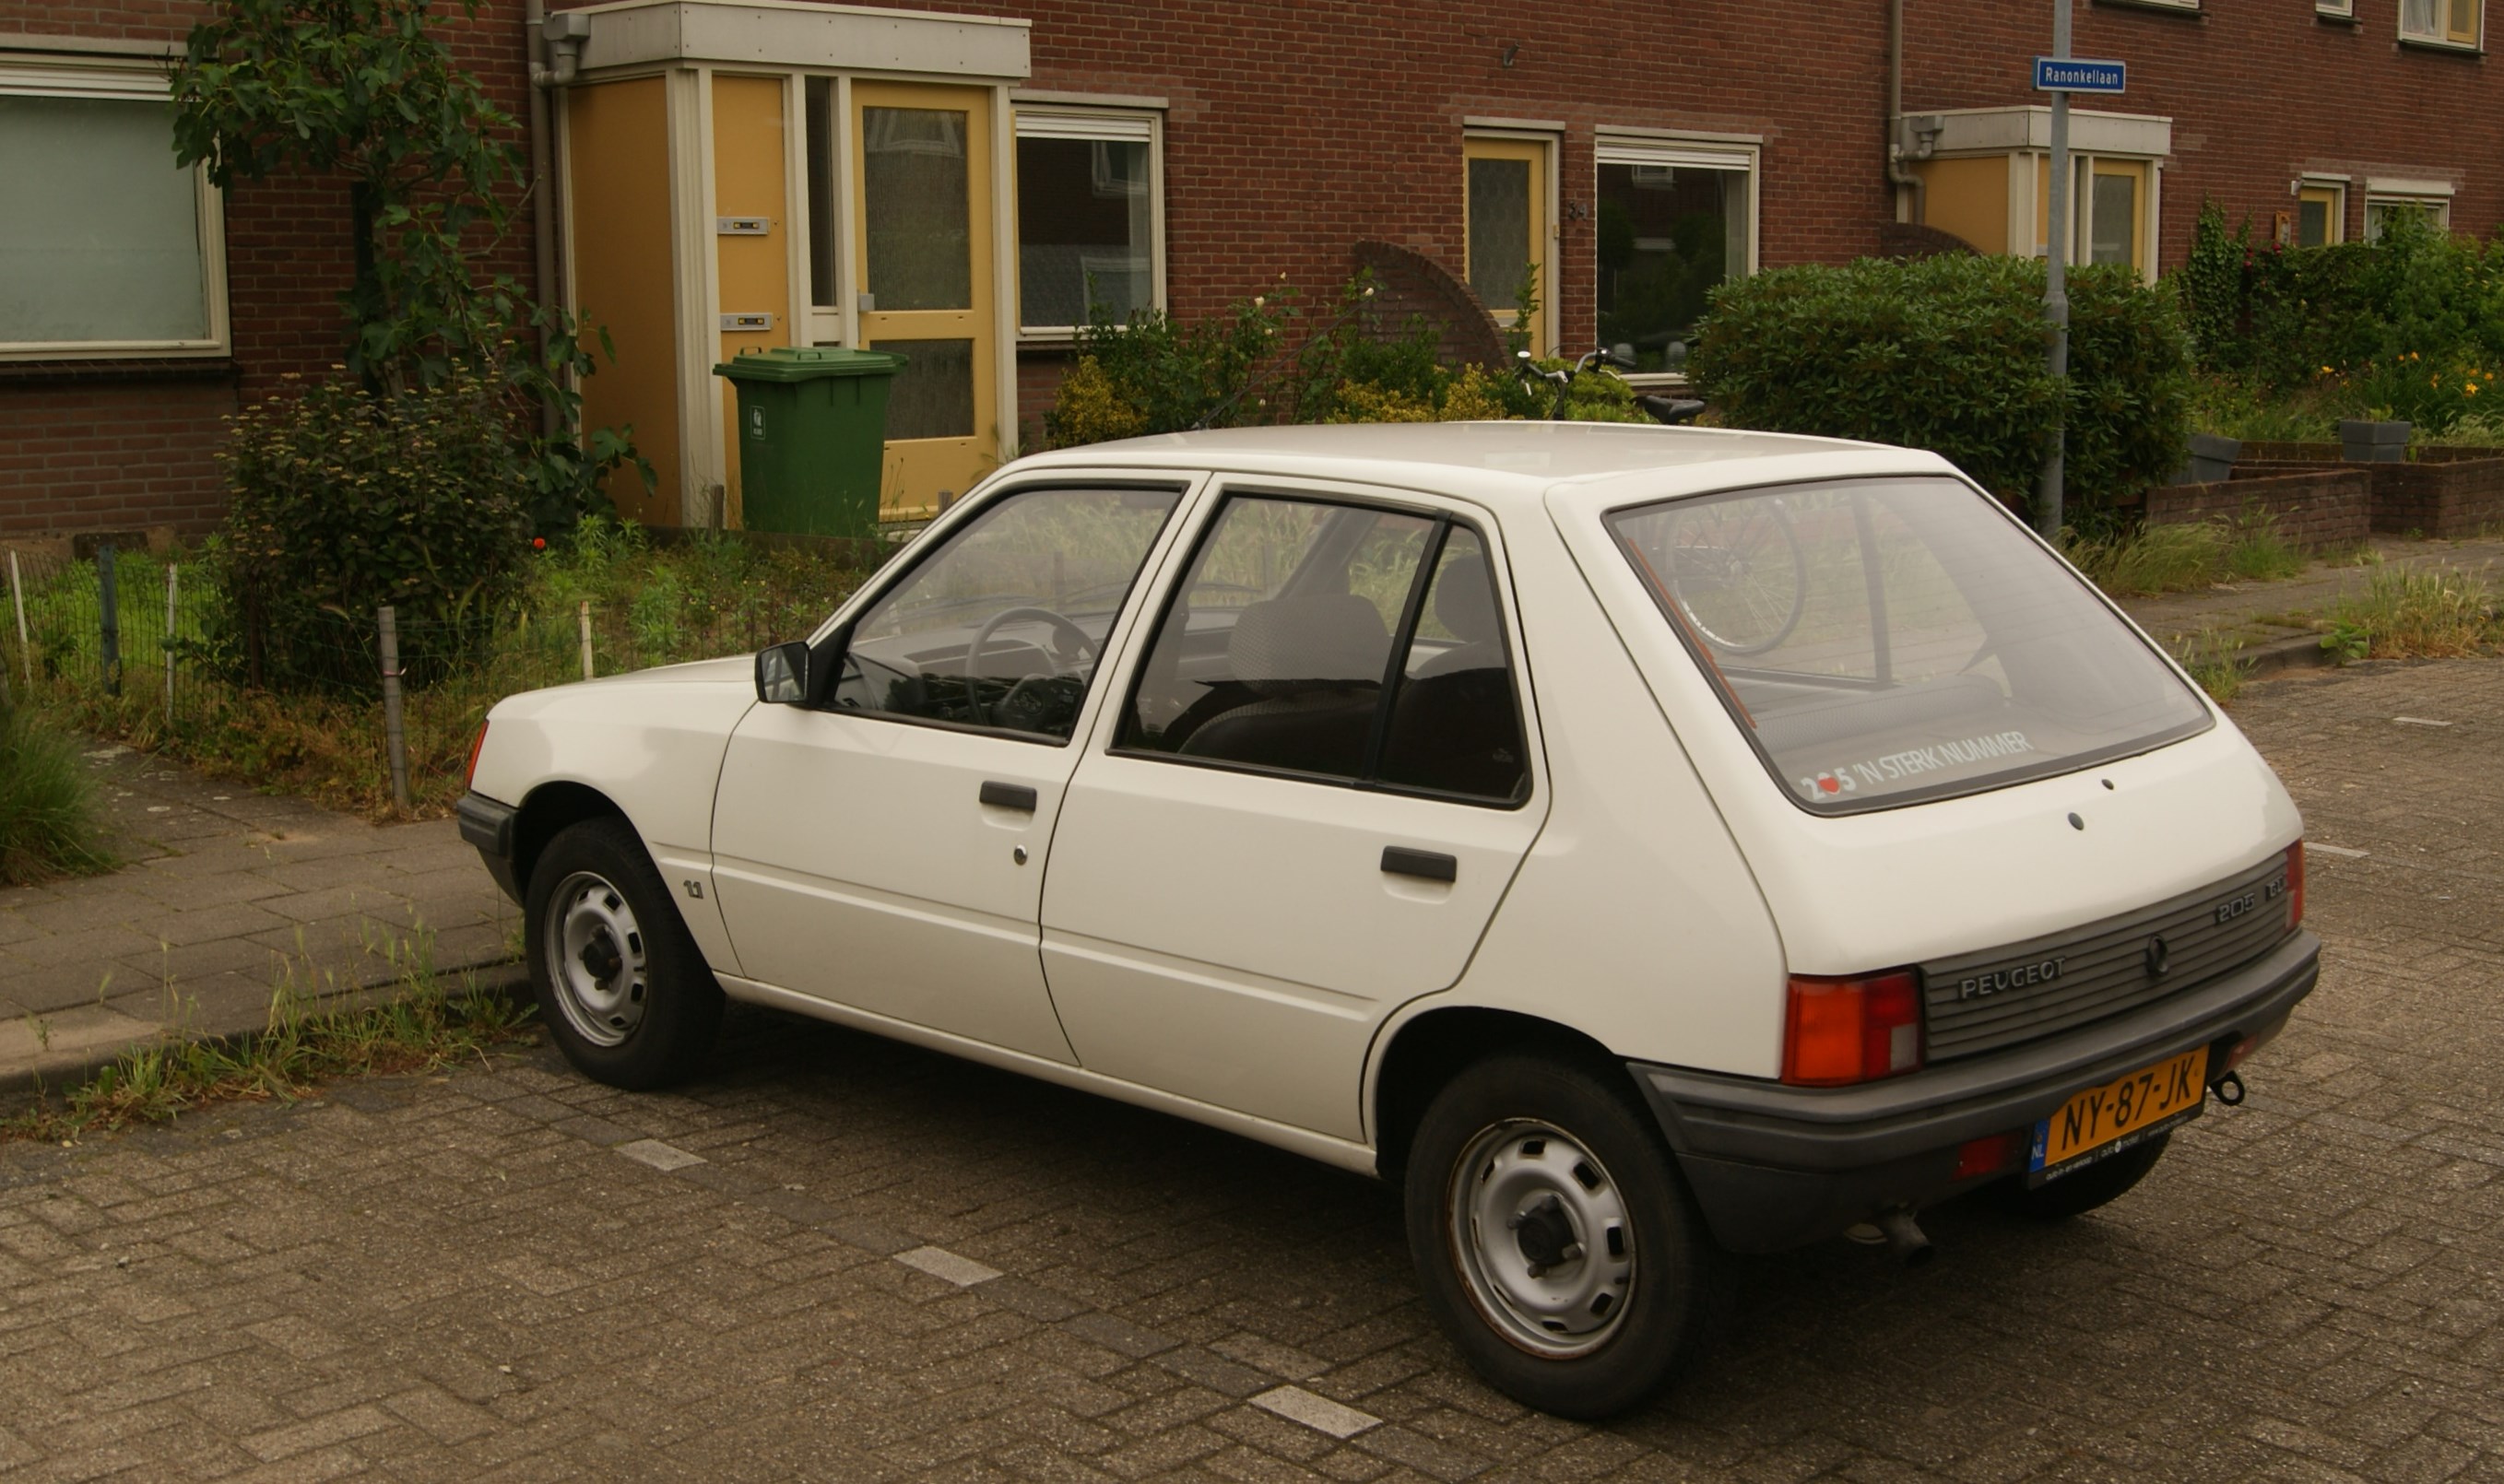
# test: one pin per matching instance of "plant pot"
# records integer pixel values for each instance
(2366, 442)
(2212, 459)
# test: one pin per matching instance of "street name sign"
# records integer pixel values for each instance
(2078, 74)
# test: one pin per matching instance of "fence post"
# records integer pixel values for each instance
(17, 596)
(585, 617)
(169, 646)
(394, 741)
(108, 601)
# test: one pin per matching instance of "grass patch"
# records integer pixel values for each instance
(423, 1026)
(2142, 562)
(2426, 612)
(49, 820)
(2214, 662)
(703, 597)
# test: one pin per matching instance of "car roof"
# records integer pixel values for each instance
(1499, 462)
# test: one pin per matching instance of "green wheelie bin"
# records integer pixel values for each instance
(811, 437)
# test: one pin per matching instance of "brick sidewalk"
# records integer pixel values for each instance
(225, 893)
(835, 1258)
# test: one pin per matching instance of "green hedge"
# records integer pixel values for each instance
(1949, 354)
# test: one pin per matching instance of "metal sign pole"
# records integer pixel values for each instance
(2056, 289)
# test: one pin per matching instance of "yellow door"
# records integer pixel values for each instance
(1505, 213)
(2117, 214)
(2321, 217)
(922, 158)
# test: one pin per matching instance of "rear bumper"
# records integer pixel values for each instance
(489, 825)
(1775, 1166)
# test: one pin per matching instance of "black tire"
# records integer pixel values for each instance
(1488, 1119)
(652, 1019)
(2075, 1195)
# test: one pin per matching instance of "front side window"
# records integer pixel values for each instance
(105, 245)
(1002, 627)
(1886, 640)
(1087, 218)
(1673, 224)
(1277, 654)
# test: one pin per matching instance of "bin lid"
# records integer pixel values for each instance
(808, 362)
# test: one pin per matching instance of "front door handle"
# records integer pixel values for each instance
(1016, 796)
(1426, 865)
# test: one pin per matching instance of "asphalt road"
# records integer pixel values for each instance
(838, 1258)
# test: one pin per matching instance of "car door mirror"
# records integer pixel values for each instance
(783, 674)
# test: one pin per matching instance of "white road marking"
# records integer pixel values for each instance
(940, 1262)
(659, 1155)
(1319, 1413)
(2312, 848)
(2420, 722)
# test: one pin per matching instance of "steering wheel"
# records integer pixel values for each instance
(1062, 627)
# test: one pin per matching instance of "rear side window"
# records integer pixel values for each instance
(1278, 654)
(1886, 640)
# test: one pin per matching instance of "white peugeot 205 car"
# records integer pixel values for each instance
(1638, 841)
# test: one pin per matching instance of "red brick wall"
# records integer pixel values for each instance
(2317, 510)
(128, 443)
(2259, 93)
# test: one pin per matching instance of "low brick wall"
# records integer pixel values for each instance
(2446, 494)
(2255, 451)
(2318, 510)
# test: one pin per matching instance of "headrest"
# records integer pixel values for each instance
(1333, 639)
(1465, 601)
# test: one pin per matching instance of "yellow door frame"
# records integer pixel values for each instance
(1539, 153)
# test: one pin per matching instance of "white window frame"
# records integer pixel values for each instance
(1694, 152)
(1104, 123)
(2439, 36)
(46, 75)
(2433, 198)
(2336, 10)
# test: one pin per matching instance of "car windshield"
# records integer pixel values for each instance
(1887, 640)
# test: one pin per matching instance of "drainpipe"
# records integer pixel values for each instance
(561, 36)
(1897, 172)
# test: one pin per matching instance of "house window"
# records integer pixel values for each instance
(2442, 23)
(106, 246)
(1674, 221)
(2320, 214)
(2380, 210)
(2343, 10)
(1090, 228)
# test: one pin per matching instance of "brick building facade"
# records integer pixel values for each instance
(741, 150)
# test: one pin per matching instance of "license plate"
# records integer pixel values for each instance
(2103, 1121)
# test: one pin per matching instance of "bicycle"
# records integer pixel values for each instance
(1734, 568)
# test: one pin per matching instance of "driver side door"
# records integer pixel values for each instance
(883, 846)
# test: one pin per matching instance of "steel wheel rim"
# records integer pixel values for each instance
(1523, 1196)
(596, 959)
(1723, 573)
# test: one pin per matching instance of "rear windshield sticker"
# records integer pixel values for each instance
(1894, 767)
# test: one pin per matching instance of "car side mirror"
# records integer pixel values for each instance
(783, 674)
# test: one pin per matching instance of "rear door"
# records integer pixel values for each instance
(1317, 780)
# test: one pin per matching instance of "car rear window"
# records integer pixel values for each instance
(1883, 641)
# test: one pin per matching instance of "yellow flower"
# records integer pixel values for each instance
(2471, 389)
(2327, 372)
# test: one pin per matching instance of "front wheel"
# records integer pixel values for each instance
(623, 989)
(1554, 1239)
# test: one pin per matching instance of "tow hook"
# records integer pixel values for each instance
(1896, 1229)
(2230, 1088)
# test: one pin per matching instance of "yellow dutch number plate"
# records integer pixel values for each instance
(2107, 1119)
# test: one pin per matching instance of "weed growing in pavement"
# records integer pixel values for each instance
(49, 821)
(2440, 613)
(421, 1026)
(2214, 662)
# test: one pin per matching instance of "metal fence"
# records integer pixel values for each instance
(137, 643)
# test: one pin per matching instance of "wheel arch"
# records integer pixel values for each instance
(547, 810)
(1427, 1051)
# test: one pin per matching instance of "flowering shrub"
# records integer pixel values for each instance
(344, 499)
(2433, 394)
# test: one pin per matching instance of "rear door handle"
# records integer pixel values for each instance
(1426, 865)
(1016, 796)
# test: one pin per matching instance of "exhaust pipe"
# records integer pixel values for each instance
(1904, 1239)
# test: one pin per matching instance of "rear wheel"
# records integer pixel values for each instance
(1554, 1239)
(2075, 1195)
(623, 989)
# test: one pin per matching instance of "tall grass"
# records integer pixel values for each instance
(2181, 558)
(49, 820)
(2440, 613)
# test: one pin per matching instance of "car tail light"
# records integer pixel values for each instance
(469, 774)
(2295, 885)
(1846, 1030)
